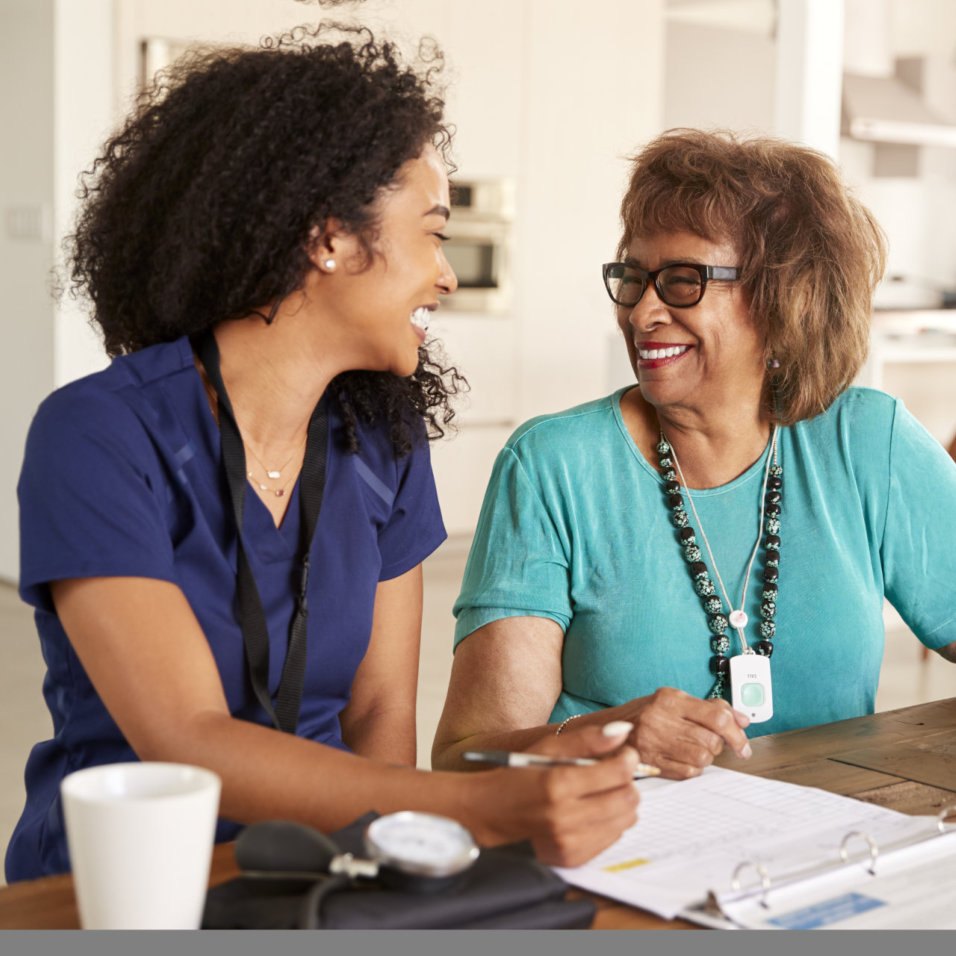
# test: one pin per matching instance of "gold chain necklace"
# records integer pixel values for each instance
(272, 473)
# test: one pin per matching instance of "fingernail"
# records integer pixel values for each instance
(746, 752)
(617, 728)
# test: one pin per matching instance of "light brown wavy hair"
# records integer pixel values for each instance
(809, 252)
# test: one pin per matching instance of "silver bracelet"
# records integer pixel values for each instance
(564, 723)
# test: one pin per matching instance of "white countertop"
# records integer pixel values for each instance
(913, 321)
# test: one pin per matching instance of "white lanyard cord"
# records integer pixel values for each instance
(771, 456)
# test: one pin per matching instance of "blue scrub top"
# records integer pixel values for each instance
(121, 477)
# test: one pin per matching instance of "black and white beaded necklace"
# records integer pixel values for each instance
(749, 677)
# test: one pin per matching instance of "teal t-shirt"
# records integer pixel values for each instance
(575, 528)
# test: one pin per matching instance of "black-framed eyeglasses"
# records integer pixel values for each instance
(679, 285)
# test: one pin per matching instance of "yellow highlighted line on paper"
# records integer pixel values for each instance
(625, 865)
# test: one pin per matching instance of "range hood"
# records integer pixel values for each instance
(885, 80)
(885, 109)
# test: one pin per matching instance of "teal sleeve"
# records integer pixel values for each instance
(919, 538)
(519, 560)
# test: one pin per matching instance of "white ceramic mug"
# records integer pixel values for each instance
(140, 837)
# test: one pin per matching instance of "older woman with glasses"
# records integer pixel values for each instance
(706, 553)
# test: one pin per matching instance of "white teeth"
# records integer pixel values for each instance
(420, 318)
(663, 353)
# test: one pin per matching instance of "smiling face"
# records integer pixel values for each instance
(700, 357)
(379, 311)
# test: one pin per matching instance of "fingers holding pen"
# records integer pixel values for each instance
(570, 812)
(590, 806)
(575, 831)
(587, 808)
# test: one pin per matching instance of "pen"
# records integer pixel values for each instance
(507, 758)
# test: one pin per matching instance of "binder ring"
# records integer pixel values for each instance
(943, 821)
(761, 872)
(874, 849)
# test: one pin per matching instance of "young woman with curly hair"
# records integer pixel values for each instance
(223, 531)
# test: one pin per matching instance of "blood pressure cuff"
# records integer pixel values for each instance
(505, 888)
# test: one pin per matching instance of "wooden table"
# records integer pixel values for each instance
(908, 759)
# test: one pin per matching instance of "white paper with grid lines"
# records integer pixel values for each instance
(691, 835)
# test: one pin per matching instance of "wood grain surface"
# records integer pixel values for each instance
(903, 759)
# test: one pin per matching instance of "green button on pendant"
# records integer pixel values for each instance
(751, 695)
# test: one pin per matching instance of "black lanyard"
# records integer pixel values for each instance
(252, 617)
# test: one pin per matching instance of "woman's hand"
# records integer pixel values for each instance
(504, 683)
(682, 734)
(570, 813)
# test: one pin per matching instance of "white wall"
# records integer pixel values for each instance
(56, 73)
(718, 76)
(595, 93)
(83, 115)
(26, 192)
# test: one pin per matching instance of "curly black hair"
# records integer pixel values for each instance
(201, 206)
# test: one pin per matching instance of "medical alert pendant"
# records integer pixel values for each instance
(750, 690)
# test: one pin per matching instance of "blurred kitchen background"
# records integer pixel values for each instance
(549, 98)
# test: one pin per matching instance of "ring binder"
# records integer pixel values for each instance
(765, 881)
(816, 896)
(942, 818)
(874, 848)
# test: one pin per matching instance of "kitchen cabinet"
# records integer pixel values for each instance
(913, 356)
(910, 337)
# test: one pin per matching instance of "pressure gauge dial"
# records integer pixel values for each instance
(420, 844)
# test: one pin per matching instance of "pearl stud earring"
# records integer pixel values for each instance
(328, 265)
